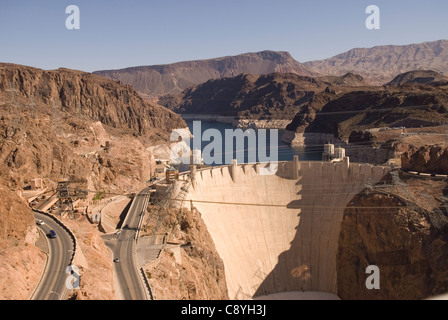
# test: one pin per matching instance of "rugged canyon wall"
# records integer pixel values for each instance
(341, 113)
(428, 159)
(401, 226)
(85, 94)
(248, 97)
(198, 271)
(21, 262)
(57, 123)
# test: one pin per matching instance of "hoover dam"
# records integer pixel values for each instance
(277, 233)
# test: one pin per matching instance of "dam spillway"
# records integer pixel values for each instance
(278, 233)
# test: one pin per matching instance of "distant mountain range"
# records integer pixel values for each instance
(377, 65)
(174, 78)
(381, 64)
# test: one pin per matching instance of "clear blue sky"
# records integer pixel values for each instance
(117, 34)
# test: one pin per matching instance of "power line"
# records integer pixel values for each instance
(283, 205)
(235, 114)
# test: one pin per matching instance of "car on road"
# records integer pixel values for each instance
(40, 222)
(116, 260)
(126, 226)
(52, 234)
(118, 232)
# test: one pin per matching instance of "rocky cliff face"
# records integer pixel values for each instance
(85, 94)
(248, 97)
(22, 262)
(400, 226)
(428, 159)
(381, 64)
(57, 123)
(174, 78)
(200, 273)
(257, 97)
(339, 113)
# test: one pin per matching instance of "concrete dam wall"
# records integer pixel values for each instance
(278, 233)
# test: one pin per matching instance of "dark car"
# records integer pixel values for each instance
(52, 234)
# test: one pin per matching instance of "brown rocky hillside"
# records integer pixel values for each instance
(57, 123)
(427, 159)
(339, 112)
(174, 78)
(399, 225)
(380, 64)
(420, 77)
(277, 96)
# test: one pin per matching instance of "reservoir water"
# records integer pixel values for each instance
(253, 151)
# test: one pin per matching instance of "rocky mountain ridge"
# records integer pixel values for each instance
(174, 78)
(381, 64)
(377, 65)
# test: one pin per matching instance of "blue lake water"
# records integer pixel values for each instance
(252, 151)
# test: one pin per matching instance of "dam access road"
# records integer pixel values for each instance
(123, 247)
(52, 285)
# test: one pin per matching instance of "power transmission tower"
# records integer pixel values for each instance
(65, 197)
(12, 92)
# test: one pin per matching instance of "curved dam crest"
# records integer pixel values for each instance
(278, 233)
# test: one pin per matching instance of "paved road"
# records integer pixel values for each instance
(124, 248)
(52, 285)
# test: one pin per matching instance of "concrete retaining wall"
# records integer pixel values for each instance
(279, 232)
(70, 233)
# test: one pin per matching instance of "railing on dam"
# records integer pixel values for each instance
(287, 167)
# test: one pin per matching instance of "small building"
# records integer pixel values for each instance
(36, 184)
(328, 152)
(339, 153)
(160, 168)
(171, 175)
(162, 161)
(333, 154)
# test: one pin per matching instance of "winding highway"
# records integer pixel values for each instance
(52, 284)
(123, 247)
